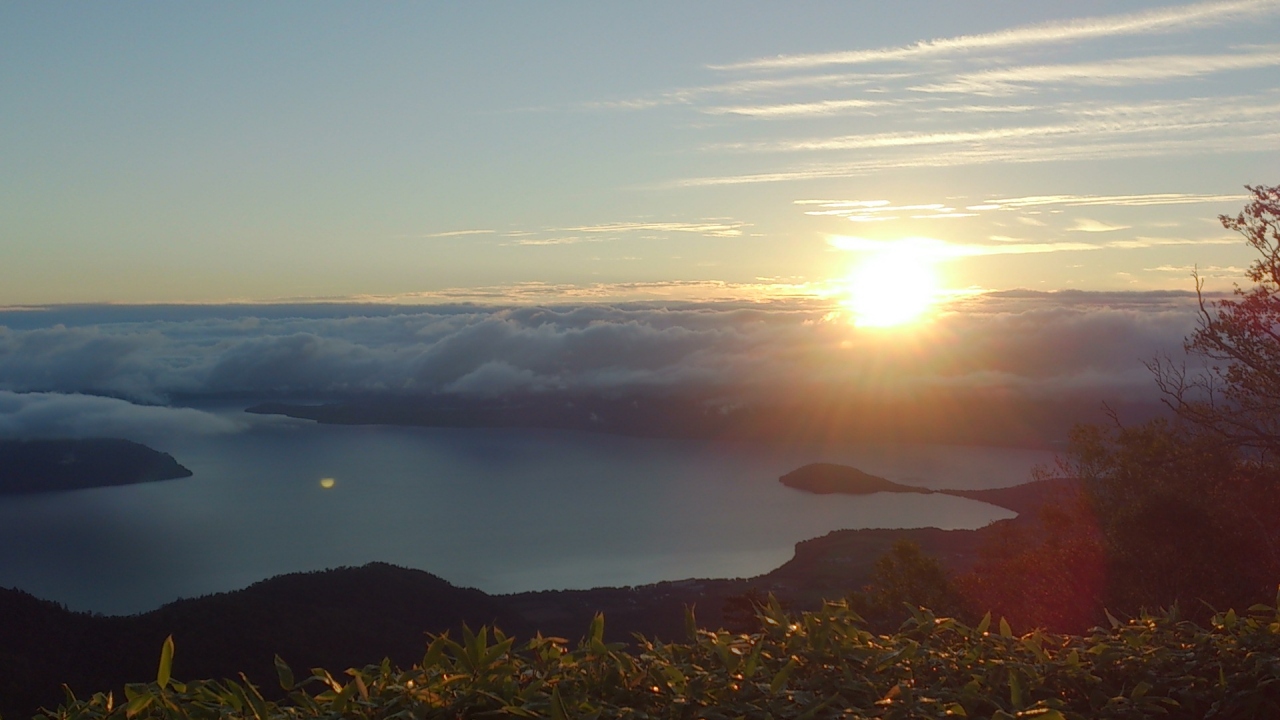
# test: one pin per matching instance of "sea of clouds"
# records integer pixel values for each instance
(90, 370)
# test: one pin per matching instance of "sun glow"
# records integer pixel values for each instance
(892, 285)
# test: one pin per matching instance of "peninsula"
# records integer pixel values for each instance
(39, 466)
(829, 478)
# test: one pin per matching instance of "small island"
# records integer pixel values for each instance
(38, 466)
(829, 478)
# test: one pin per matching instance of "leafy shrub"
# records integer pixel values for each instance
(824, 664)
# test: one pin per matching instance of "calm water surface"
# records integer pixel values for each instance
(501, 510)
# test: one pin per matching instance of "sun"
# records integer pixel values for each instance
(892, 286)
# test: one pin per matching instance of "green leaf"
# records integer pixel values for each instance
(753, 661)
(780, 680)
(986, 623)
(1033, 644)
(254, 699)
(675, 678)
(342, 699)
(139, 703)
(596, 632)
(1005, 630)
(1015, 690)
(1111, 619)
(166, 662)
(558, 711)
(284, 673)
(435, 651)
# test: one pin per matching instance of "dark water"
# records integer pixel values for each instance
(501, 510)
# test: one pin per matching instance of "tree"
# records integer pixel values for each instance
(1237, 395)
(1181, 518)
(1178, 511)
(1187, 507)
(1047, 572)
(903, 578)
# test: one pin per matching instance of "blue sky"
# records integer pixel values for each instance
(209, 152)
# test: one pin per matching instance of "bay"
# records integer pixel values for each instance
(503, 510)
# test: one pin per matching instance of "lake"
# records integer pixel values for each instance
(498, 509)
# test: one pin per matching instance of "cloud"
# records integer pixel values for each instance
(752, 86)
(564, 240)
(942, 250)
(1116, 200)
(939, 250)
(710, 228)
(880, 210)
(1114, 72)
(1165, 20)
(761, 292)
(734, 349)
(58, 415)
(900, 140)
(1207, 271)
(1104, 148)
(494, 378)
(1149, 242)
(1095, 226)
(1160, 120)
(600, 232)
(458, 233)
(944, 103)
(861, 210)
(804, 109)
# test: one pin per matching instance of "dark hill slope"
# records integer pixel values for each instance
(337, 618)
(33, 466)
(333, 618)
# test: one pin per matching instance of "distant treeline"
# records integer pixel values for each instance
(940, 416)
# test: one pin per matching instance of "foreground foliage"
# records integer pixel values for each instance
(818, 665)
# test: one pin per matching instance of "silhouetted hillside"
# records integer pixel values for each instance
(337, 618)
(32, 466)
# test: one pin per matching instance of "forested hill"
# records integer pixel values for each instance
(338, 618)
(34, 466)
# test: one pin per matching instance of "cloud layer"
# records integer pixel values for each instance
(1197, 79)
(62, 415)
(1167, 20)
(1042, 345)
